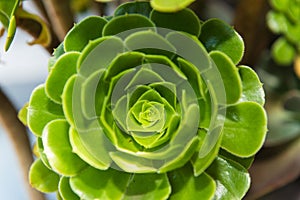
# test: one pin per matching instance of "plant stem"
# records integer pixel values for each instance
(250, 22)
(18, 135)
(34, 29)
(60, 15)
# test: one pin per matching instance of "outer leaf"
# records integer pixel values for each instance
(149, 42)
(252, 87)
(217, 35)
(245, 162)
(42, 110)
(92, 146)
(184, 20)
(126, 24)
(42, 178)
(147, 186)
(93, 184)
(186, 186)
(283, 52)
(232, 179)
(59, 51)
(245, 129)
(170, 5)
(41, 154)
(230, 76)
(88, 29)
(58, 149)
(137, 7)
(65, 189)
(64, 67)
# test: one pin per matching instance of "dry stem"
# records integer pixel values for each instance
(18, 135)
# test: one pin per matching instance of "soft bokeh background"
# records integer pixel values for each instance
(21, 69)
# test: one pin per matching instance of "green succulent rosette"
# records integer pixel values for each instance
(284, 20)
(147, 105)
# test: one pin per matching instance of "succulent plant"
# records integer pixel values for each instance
(284, 20)
(147, 105)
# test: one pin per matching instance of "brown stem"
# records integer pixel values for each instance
(18, 136)
(60, 15)
(251, 24)
(41, 7)
(34, 29)
(100, 8)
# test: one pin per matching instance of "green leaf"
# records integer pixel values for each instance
(217, 35)
(98, 54)
(170, 5)
(10, 32)
(147, 186)
(42, 155)
(132, 163)
(244, 129)
(63, 69)
(293, 33)
(67, 100)
(280, 5)
(186, 186)
(92, 146)
(79, 36)
(137, 7)
(124, 25)
(7, 18)
(245, 162)
(183, 157)
(42, 110)
(185, 20)
(293, 10)
(7, 10)
(23, 113)
(201, 163)
(230, 76)
(252, 87)
(58, 149)
(277, 22)
(149, 42)
(232, 180)
(65, 189)
(122, 62)
(59, 51)
(283, 52)
(97, 184)
(42, 178)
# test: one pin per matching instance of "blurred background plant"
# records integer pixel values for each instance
(271, 31)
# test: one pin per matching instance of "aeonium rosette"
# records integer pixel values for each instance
(147, 105)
